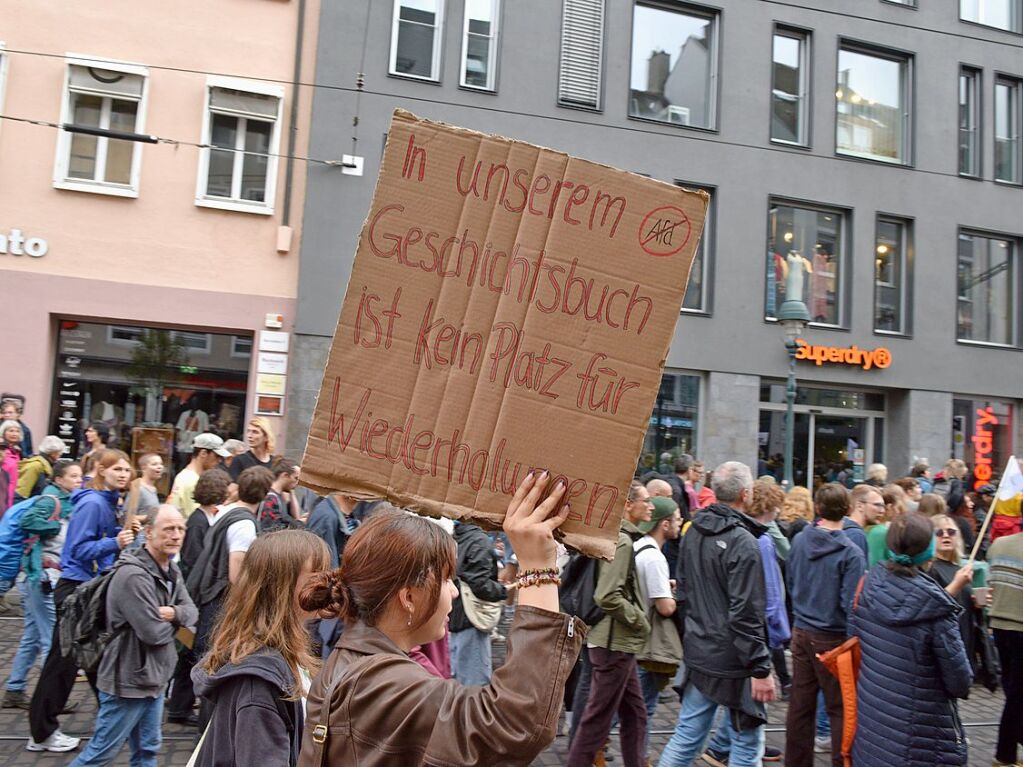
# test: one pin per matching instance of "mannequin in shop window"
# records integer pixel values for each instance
(192, 422)
(796, 269)
(96, 438)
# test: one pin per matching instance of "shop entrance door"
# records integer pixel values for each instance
(839, 445)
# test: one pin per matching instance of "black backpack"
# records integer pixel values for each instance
(578, 582)
(84, 631)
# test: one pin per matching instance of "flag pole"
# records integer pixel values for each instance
(990, 513)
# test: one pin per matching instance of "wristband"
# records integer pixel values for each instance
(537, 577)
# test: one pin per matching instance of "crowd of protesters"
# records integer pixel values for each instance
(311, 630)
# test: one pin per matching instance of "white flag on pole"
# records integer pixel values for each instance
(1011, 484)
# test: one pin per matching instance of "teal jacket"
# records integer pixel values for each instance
(36, 522)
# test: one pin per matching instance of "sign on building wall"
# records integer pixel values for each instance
(509, 308)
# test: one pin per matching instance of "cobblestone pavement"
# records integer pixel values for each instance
(982, 710)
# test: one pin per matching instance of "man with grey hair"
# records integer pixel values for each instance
(146, 604)
(34, 473)
(723, 601)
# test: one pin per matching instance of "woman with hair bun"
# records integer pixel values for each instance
(258, 669)
(373, 706)
(914, 665)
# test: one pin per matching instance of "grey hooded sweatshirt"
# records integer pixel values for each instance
(140, 659)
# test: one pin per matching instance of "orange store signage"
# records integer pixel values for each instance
(880, 357)
(983, 445)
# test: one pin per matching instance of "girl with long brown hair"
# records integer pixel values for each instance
(373, 706)
(258, 669)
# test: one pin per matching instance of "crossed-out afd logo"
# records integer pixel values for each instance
(664, 231)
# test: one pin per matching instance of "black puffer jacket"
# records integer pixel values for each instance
(722, 595)
(913, 668)
(477, 567)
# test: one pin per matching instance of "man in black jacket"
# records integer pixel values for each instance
(477, 571)
(722, 597)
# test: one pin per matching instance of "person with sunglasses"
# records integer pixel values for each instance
(948, 570)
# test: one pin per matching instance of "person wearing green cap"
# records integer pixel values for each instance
(664, 525)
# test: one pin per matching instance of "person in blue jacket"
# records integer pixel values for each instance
(914, 665)
(94, 539)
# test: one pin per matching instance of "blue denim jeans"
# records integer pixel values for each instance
(823, 722)
(40, 615)
(695, 720)
(470, 656)
(648, 684)
(136, 720)
(723, 731)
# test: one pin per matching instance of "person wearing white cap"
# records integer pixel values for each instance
(207, 452)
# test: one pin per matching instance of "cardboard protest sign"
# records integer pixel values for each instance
(510, 307)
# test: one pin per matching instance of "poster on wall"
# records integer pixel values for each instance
(510, 308)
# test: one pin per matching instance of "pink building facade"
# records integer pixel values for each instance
(151, 285)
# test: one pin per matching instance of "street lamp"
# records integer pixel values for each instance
(793, 317)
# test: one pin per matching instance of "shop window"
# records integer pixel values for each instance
(1000, 14)
(242, 125)
(969, 121)
(872, 105)
(891, 277)
(987, 289)
(416, 34)
(104, 96)
(1007, 127)
(790, 73)
(805, 255)
(164, 380)
(582, 53)
(479, 44)
(982, 437)
(672, 428)
(674, 65)
(697, 298)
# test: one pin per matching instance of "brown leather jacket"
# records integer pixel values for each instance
(372, 706)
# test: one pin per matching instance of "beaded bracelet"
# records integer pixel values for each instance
(537, 578)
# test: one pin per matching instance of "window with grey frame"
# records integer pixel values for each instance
(416, 34)
(1007, 126)
(479, 44)
(805, 260)
(674, 64)
(790, 78)
(697, 297)
(969, 121)
(582, 53)
(872, 104)
(1000, 14)
(892, 243)
(986, 296)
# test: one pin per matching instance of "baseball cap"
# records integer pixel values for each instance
(663, 509)
(987, 489)
(212, 442)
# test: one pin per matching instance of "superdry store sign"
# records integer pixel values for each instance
(852, 356)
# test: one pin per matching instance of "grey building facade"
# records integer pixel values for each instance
(876, 151)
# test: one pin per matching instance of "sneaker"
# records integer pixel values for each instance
(772, 754)
(715, 758)
(57, 742)
(822, 744)
(15, 699)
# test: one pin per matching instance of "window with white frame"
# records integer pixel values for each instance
(872, 104)
(3, 76)
(102, 96)
(416, 34)
(241, 346)
(580, 68)
(674, 64)
(790, 85)
(479, 44)
(1000, 14)
(1007, 128)
(239, 169)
